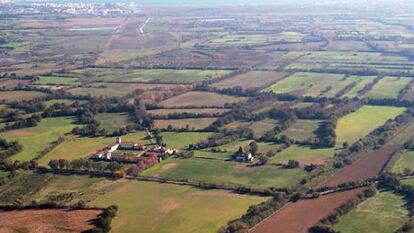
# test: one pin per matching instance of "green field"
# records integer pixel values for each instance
(259, 128)
(164, 208)
(35, 139)
(113, 121)
(57, 80)
(190, 123)
(358, 124)
(383, 213)
(311, 84)
(303, 154)
(97, 92)
(80, 188)
(223, 152)
(22, 186)
(216, 171)
(81, 147)
(402, 161)
(182, 140)
(302, 130)
(388, 88)
(150, 75)
(362, 81)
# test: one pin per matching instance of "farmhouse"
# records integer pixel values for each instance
(242, 156)
(130, 152)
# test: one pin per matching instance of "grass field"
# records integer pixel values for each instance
(252, 79)
(9, 96)
(216, 171)
(383, 213)
(311, 84)
(182, 140)
(97, 92)
(80, 188)
(164, 208)
(388, 88)
(35, 139)
(81, 147)
(192, 123)
(22, 186)
(151, 75)
(113, 121)
(201, 99)
(259, 128)
(362, 81)
(223, 152)
(356, 125)
(402, 161)
(303, 154)
(302, 130)
(59, 80)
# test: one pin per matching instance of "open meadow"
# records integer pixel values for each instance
(383, 213)
(34, 140)
(356, 125)
(232, 173)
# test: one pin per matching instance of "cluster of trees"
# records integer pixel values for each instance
(143, 164)
(31, 121)
(9, 149)
(325, 225)
(326, 133)
(104, 220)
(256, 214)
(8, 165)
(29, 106)
(286, 118)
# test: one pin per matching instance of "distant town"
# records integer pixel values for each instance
(79, 8)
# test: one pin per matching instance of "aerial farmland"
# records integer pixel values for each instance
(264, 116)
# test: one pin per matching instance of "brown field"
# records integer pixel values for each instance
(166, 111)
(250, 80)
(12, 83)
(93, 21)
(189, 58)
(201, 99)
(50, 221)
(298, 217)
(19, 95)
(193, 123)
(370, 165)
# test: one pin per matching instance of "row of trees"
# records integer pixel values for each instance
(113, 168)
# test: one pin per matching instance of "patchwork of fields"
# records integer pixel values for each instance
(188, 118)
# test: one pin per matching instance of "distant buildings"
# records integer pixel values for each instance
(130, 152)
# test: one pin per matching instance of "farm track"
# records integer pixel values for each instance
(298, 217)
